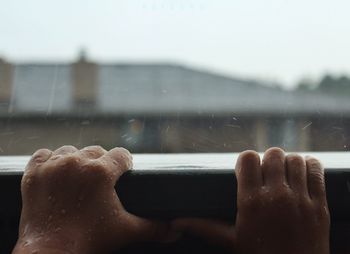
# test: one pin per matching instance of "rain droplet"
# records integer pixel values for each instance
(63, 211)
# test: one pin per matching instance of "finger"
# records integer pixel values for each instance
(248, 171)
(144, 230)
(29, 179)
(213, 231)
(315, 179)
(93, 152)
(40, 156)
(65, 150)
(296, 173)
(121, 158)
(273, 167)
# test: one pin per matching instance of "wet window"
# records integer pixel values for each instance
(166, 76)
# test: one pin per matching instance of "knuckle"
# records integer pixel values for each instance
(93, 165)
(96, 169)
(93, 151)
(62, 165)
(70, 160)
(94, 148)
(122, 160)
(67, 147)
(122, 151)
(41, 155)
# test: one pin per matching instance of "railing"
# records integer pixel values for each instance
(166, 186)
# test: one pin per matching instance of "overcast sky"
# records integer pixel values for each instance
(261, 39)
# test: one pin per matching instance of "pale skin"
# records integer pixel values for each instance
(282, 208)
(70, 204)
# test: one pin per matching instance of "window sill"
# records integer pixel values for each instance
(172, 185)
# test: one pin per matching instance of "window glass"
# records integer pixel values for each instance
(175, 76)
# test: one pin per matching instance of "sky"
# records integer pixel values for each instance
(273, 40)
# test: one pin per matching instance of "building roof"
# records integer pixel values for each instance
(140, 89)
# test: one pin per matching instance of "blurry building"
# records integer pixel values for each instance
(159, 108)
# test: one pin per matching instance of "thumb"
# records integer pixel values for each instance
(214, 231)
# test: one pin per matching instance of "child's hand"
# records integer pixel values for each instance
(282, 208)
(70, 205)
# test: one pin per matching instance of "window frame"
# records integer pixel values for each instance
(180, 177)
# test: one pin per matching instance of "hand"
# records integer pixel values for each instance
(70, 204)
(282, 208)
